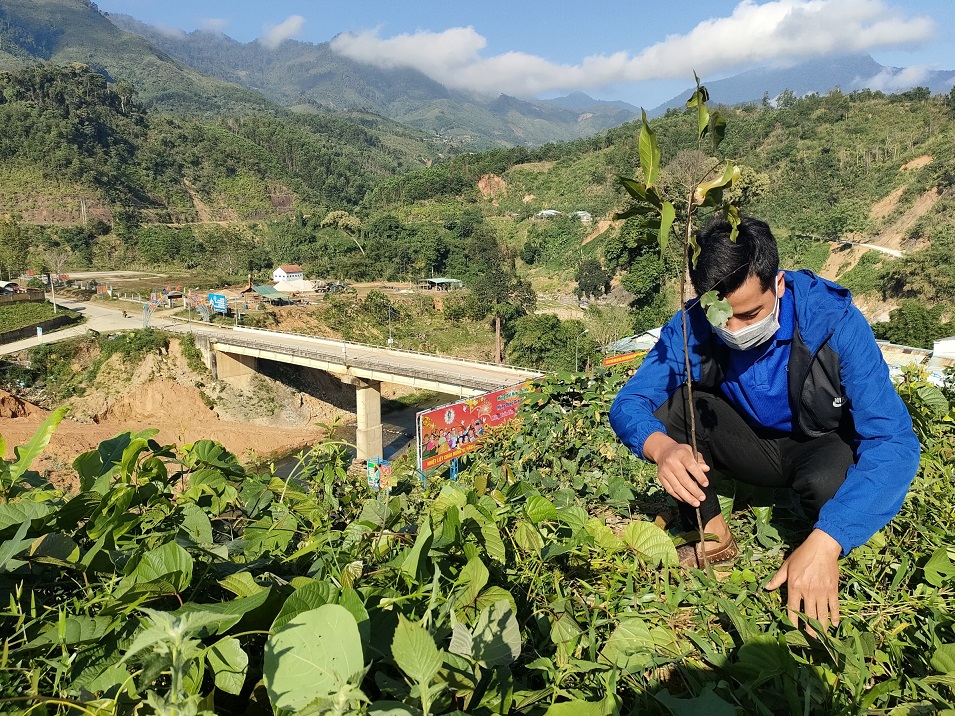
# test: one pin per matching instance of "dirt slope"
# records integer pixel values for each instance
(254, 417)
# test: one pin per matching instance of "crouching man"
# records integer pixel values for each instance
(792, 392)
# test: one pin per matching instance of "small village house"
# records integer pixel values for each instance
(288, 272)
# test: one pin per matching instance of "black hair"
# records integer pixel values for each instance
(725, 265)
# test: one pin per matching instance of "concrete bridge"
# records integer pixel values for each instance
(231, 353)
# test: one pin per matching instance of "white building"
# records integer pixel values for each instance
(288, 272)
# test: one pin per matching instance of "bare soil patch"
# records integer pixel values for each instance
(917, 163)
(886, 206)
(255, 417)
(491, 185)
(602, 226)
(893, 236)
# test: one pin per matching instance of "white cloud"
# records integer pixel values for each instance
(275, 35)
(891, 80)
(169, 31)
(214, 24)
(753, 33)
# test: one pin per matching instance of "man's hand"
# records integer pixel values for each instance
(812, 572)
(680, 474)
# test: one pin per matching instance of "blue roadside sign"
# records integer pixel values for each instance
(218, 302)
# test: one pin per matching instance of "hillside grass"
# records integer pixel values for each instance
(20, 315)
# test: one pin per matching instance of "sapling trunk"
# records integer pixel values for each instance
(686, 358)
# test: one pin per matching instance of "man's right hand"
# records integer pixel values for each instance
(680, 474)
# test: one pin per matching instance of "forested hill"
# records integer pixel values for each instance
(64, 132)
(67, 31)
(865, 167)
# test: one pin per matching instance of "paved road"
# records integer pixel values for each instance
(98, 317)
(875, 247)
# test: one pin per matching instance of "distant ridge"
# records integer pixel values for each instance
(820, 75)
(299, 74)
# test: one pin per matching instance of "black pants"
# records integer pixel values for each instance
(814, 468)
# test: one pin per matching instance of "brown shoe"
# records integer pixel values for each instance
(691, 555)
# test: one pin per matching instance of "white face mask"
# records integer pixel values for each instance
(755, 334)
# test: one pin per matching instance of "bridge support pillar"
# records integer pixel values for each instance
(227, 365)
(368, 436)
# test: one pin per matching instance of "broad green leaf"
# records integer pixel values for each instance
(730, 175)
(311, 656)
(574, 516)
(208, 453)
(415, 652)
(667, 216)
(649, 153)
(168, 562)
(747, 629)
(651, 542)
(196, 524)
(351, 573)
(632, 636)
(718, 310)
(352, 601)
(26, 454)
(462, 641)
(717, 129)
(449, 497)
(939, 568)
(496, 636)
(309, 597)
(471, 580)
(943, 660)
(392, 708)
(706, 703)
(528, 538)
(604, 536)
(11, 547)
(16, 513)
(229, 664)
(493, 544)
(540, 509)
(700, 96)
(89, 467)
(702, 120)
(564, 629)
(76, 630)
(933, 399)
(222, 616)
(54, 548)
(636, 189)
(490, 596)
(576, 707)
(422, 545)
(241, 584)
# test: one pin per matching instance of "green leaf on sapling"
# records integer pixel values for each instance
(667, 216)
(718, 310)
(649, 153)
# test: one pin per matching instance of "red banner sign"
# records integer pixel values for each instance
(622, 358)
(456, 429)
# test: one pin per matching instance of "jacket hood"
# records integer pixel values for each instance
(820, 305)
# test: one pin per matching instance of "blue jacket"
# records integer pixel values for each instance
(832, 338)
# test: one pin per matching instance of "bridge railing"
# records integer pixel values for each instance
(363, 362)
(409, 351)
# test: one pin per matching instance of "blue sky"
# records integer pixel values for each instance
(641, 52)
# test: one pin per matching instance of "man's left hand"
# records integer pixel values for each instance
(812, 572)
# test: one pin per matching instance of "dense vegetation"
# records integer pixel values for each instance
(145, 181)
(177, 579)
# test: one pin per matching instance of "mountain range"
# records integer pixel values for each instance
(206, 73)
